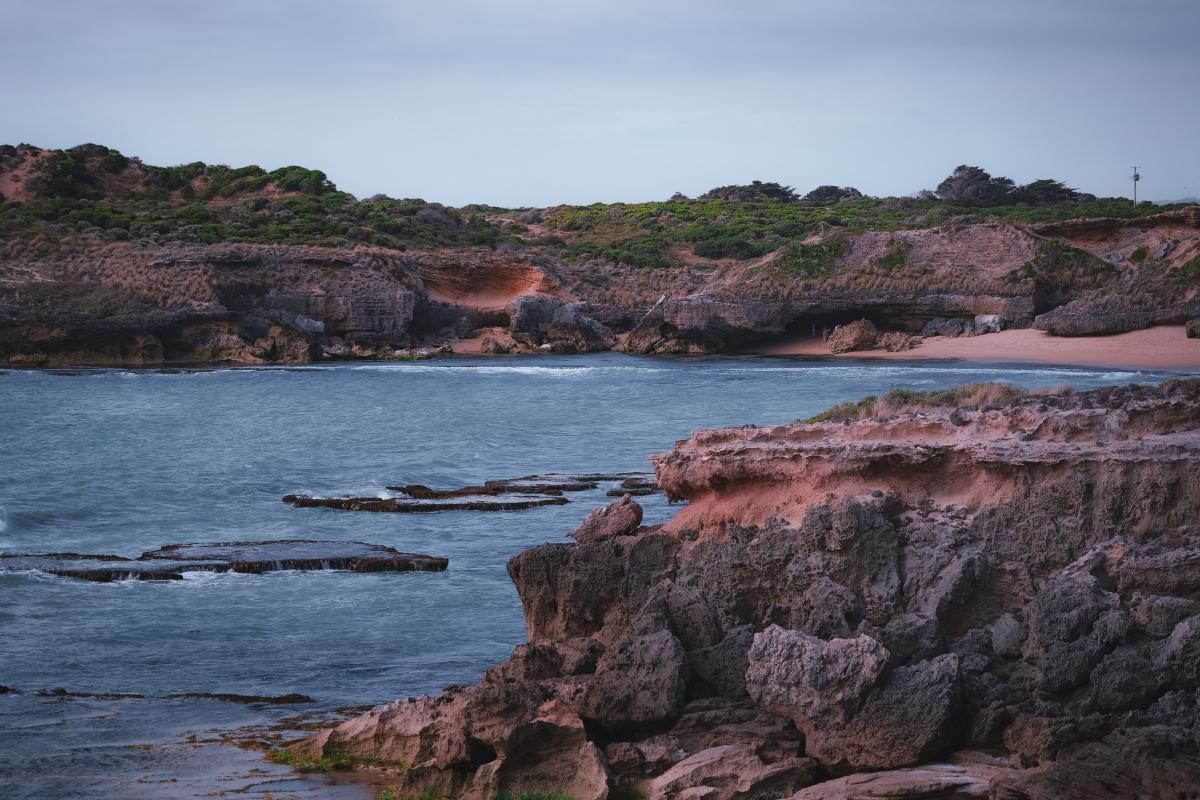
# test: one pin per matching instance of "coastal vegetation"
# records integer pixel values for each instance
(97, 192)
(202, 262)
(897, 401)
(330, 761)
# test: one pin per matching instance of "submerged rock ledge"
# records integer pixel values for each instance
(529, 491)
(170, 562)
(991, 602)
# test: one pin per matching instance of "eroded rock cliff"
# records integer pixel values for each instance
(1012, 587)
(105, 259)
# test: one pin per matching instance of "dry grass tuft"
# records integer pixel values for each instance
(907, 401)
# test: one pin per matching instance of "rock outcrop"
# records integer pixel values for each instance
(621, 518)
(858, 335)
(108, 260)
(1017, 580)
(253, 558)
(540, 320)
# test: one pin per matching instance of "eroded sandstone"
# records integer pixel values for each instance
(1017, 580)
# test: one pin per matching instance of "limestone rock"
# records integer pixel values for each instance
(860, 335)
(1021, 576)
(816, 683)
(539, 319)
(895, 341)
(729, 771)
(617, 519)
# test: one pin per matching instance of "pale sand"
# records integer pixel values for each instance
(1161, 347)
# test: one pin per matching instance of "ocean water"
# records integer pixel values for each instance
(119, 461)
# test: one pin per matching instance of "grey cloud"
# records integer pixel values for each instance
(540, 102)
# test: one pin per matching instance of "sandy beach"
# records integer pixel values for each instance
(1161, 347)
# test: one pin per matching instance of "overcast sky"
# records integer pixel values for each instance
(537, 103)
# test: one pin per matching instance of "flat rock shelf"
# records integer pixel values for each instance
(256, 558)
(529, 491)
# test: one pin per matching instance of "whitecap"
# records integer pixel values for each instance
(496, 369)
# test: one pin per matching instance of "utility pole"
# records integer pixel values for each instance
(1136, 178)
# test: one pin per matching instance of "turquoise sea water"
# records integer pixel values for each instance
(118, 461)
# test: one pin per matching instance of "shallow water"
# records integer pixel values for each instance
(116, 461)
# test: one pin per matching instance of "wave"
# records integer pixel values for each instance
(502, 369)
(913, 373)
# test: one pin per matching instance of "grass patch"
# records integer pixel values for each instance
(329, 762)
(896, 257)
(842, 411)
(811, 260)
(897, 401)
(1060, 272)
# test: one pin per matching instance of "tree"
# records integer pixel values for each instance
(756, 191)
(1045, 190)
(974, 186)
(829, 194)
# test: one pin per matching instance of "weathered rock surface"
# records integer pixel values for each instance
(1067, 322)
(858, 335)
(170, 562)
(539, 320)
(876, 595)
(133, 282)
(528, 491)
(895, 341)
(971, 780)
(621, 518)
(553, 485)
(394, 505)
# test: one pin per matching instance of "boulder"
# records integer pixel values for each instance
(943, 326)
(832, 691)
(1193, 328)
(909, 720)
(896, 341)
(859, 335)
(941, 781)
(1065, 321)
(728, 771)
(621, 518)
(707, 323)
(491, 346)
(639, 682)
(988, 323)
(817, 683)
(540, 319)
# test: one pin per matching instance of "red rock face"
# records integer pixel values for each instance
(1018, 580)
(621, 518)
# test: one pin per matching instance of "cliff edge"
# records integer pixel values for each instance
(968, 594)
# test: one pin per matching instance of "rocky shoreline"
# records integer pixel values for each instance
(169, 563)
(980, 595)
(107, 265)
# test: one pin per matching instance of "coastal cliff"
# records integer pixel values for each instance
(971, 593)
(106, 260)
